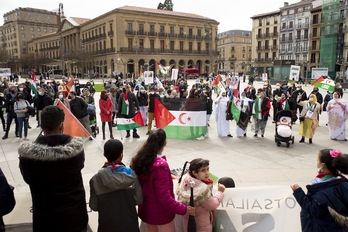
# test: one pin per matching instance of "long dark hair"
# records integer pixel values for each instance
(335, 163)
(143, 160)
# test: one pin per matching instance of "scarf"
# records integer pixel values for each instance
(113, 165)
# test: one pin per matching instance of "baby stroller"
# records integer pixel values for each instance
(93, 120)
(283, 128)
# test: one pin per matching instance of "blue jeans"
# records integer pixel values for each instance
(22, 121)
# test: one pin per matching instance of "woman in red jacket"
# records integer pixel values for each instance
(105, 106)
(159, 205)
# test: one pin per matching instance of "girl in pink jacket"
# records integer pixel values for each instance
(204, 202)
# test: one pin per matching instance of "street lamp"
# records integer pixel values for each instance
(61, 16)
(209, 36)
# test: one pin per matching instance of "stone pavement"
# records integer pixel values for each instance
(249, 161)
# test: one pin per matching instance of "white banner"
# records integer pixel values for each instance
(318, 72)
(234, 82)
(5, 72)
(175, 73)
(294, 72)
(264, 77)
(148, 77)
(264, 208)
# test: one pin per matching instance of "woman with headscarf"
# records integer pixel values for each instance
(223, 125)
(245, 115)
(309, 117)
(337, 111)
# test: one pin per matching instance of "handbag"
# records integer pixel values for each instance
(31, 110)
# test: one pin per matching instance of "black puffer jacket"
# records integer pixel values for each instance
(52, 167)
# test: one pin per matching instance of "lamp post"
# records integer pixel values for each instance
(209, 36)
(61, 16)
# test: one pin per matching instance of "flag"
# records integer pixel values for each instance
(70, 84)
(33, 87)
(236, 91)
(219, 85)
(162, 116)
(124, 107)
(33, 76)
(187, 125)
(130, 123)
(72, 126)
(141, 74)
(157, 68)
(326, 84)
(236, 108)
(159, 84)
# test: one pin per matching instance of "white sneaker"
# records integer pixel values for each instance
(200, 138)
(26, 139)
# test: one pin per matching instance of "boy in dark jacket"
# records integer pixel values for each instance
(115, 192)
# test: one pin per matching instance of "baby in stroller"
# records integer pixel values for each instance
(284, 127)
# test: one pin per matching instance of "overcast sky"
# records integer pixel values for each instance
(232, 14)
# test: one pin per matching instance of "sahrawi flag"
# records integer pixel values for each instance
(236, 104)
(130, 123)
(219, 85)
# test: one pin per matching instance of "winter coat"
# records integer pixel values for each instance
(105, 106)
(78, 107)
(142, 98)
(315, 215)
(159, 205)
(115, 192)
(204, 202)
(19, 106)
(51, 166)
(152, 97)
(133, 105)
(43, 101)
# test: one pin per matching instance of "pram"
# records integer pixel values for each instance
(93, 120)
(283, 128)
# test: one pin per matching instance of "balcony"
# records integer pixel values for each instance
(199, 37)
(152, 33)
(274, 47)
(162, 34)
(263, 60)
(267, 48)
(259, 36)
(267, 35)
(171, 35)
(181, 36)
(128, 32)
(141, 32)
(191, 37)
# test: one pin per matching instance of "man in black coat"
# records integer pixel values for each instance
(295, 94)
(78, 107)
(10, 99)
(276, 96)
(128, 98)
(51, 166)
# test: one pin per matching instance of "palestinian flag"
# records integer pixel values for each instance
(130, 123)
(70, 84)
(219, 85)
(33, 87)
(187, 125)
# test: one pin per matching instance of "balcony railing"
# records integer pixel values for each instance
(128, 32)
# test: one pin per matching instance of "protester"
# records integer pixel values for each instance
(7, 200)
(63, 97)
(324, 207)
(90, 88)
(78, 108)
(205, 203)
(113, 98)
(20, 108)
(152, 96)
(222, 124)
(309, 117)
(295, 97)
(41, 101)
(115, 192)
(338, 88)
(337, 111)
(51, 166)
(183, 92)
(276, 94)
(159, 205)
(10, 99)
(2, 109)
(328, 97)
(127, 107)
(105, 106)
(245, 115)
(143, 103)
(261, 108)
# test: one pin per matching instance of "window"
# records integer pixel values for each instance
(190, 46)
(152, 28)
(152, 45)
(130, 43)
(291, 24)
(314, 45)
(130, 27)
(141, 44)
(315, 32)
(181, 31)
(162, 45)
(190, 32)
(298, 35)
(181, 46)
(162, 29)
(199, 32)
(315, 19)
(284, 26)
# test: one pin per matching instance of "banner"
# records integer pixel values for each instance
(263, 208)
(5, 72)
(294, 72)
(318, 72)
(148, 77)
(175, 73)
(264, 77)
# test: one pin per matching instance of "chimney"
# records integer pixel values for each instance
(286, 4)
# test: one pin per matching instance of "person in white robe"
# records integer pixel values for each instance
(337, 111)
(223, 125)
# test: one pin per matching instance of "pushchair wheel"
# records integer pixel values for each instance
(278, 143)
(293, 139)
(287, 144)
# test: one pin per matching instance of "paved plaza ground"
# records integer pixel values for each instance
(249, 161)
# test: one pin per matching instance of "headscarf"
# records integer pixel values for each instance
(314, 98)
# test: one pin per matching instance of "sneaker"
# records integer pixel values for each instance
(255, 135)
(200, 138)
(230, 136)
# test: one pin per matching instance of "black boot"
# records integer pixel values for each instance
(310, 141)
(135, 135)
(110, 129)
(5, 136)
(302, 140)
(128, 134)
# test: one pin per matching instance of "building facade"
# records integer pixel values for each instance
(130, 38)
(234, 49)
(265, 41)
(314, 42)
(24, 24)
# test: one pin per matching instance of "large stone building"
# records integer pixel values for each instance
(265, 41)
(24, 24)
(129, 38)
(314, 42)
(234, 49)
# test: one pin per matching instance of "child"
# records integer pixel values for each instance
(204, 202)
(284, 127)
(324, 207)
(115, 192)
